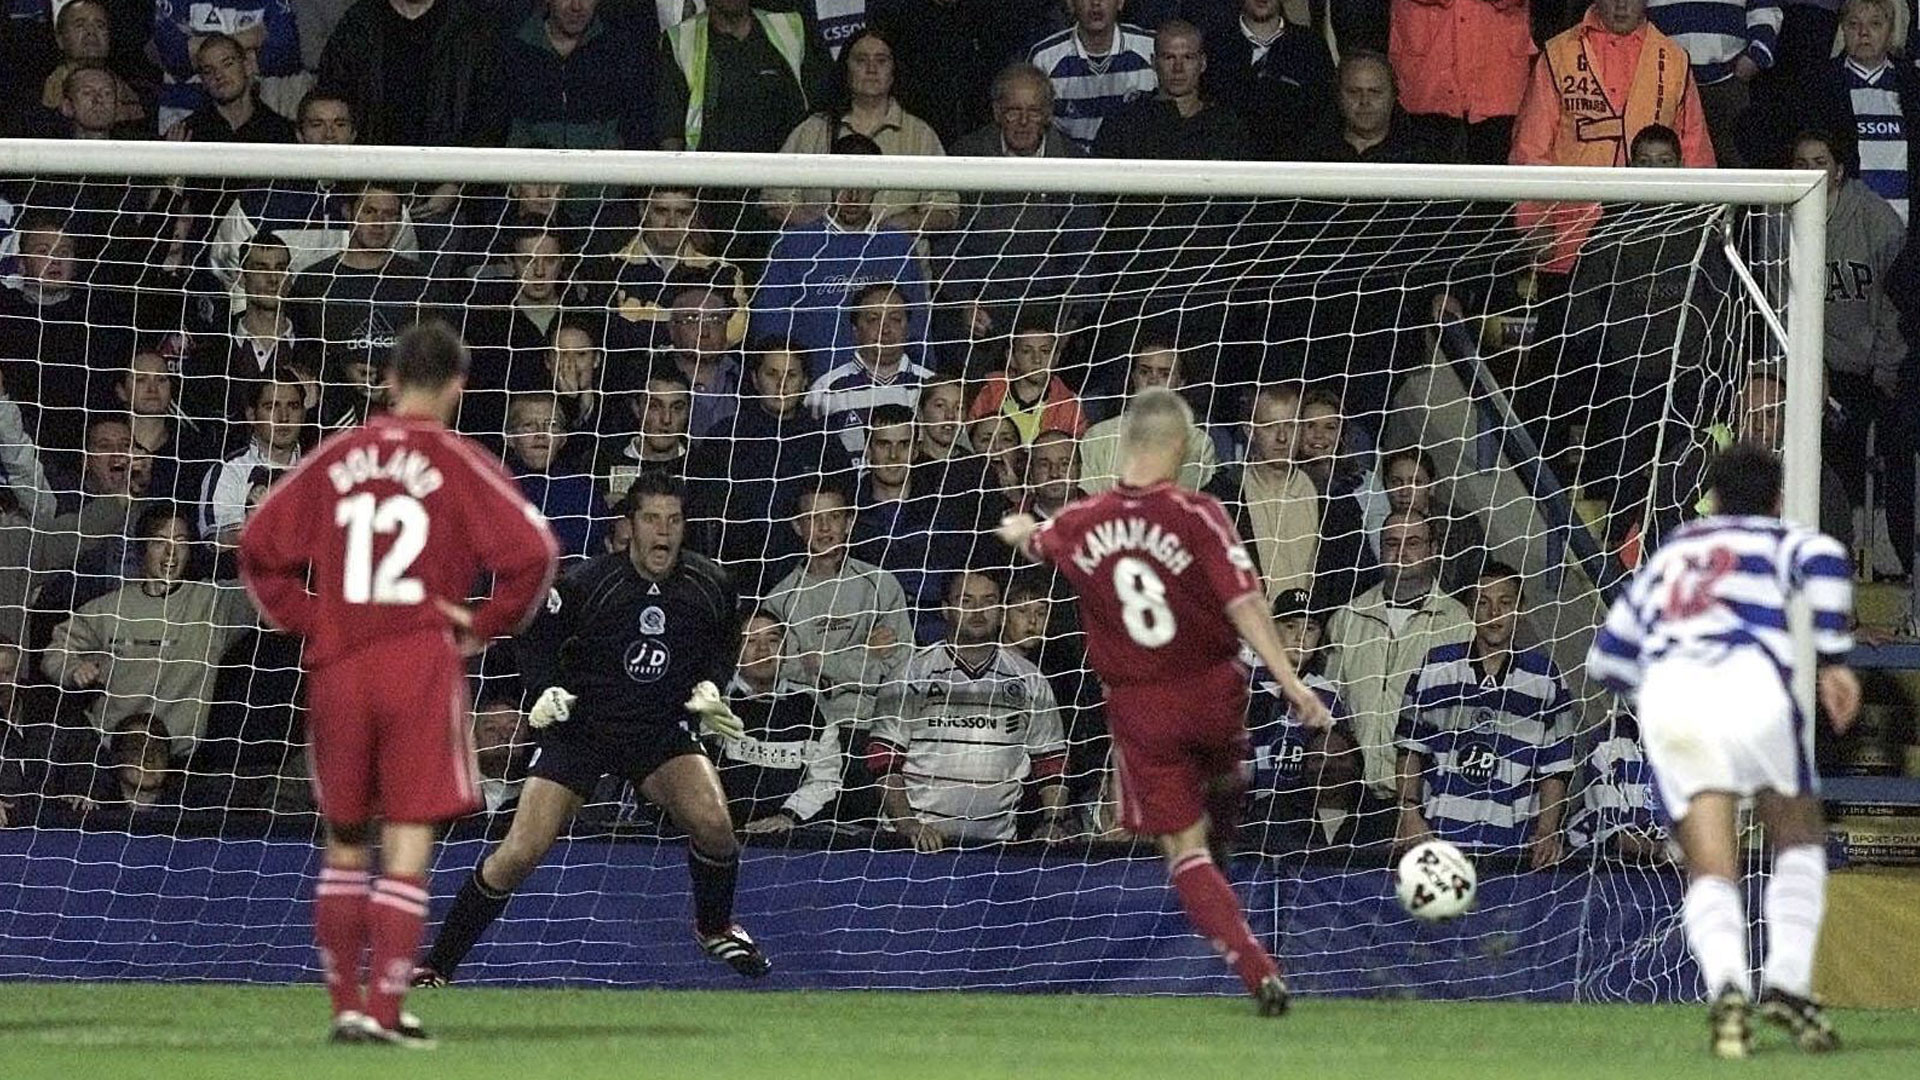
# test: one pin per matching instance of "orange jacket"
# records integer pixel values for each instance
(1592, 91)
(1465, 58)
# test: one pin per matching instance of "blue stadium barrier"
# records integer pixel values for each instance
(93, 905)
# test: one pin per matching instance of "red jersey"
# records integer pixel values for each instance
(1156, 569)
(352, 547)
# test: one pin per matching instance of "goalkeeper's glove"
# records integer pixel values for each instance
(553, 706)
(715, 717)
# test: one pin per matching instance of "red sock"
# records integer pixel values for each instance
(1215, 912)
(340, 933)
(396, 918)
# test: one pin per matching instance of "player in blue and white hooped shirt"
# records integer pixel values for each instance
(1701, 640)
(1486, 737)
(1090, 85)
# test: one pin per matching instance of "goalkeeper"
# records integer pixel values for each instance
(624, 662)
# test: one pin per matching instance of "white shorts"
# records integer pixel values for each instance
(1730, 726)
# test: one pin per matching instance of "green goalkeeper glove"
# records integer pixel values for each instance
(715, 717)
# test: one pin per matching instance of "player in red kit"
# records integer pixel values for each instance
(1167, 594)
(369, 550)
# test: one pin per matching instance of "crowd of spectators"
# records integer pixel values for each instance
(856, 384)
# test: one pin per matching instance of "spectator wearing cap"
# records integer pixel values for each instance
(1175, 122)
(816, 268)
(737, 77)
(863, 104)
(1486, 738)
(1382, 637)
(1462, 67)
(1027, 391)
(1155, 363)
(1276, 71)
(1305, 790)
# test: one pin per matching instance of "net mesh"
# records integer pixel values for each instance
(1391, 394)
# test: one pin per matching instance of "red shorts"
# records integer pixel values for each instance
(1170, 744)
(391, 734)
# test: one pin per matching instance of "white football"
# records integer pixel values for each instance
(1436, 882)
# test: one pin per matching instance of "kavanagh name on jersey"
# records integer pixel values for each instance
(1132, 534)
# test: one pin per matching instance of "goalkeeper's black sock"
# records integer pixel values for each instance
(714, 879)
(472, 912)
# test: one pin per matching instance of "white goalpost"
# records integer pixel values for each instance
(1356, 340)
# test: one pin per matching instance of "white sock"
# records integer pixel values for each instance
(1796, 899)
(1717, 932)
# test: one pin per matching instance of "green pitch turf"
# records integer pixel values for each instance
(150, 1032)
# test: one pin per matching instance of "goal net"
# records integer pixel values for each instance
(1427, 398)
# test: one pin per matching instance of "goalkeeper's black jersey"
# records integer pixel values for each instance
(632, 648)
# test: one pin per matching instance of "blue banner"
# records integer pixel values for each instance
(112, 906)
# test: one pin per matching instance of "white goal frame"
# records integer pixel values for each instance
(1801, 193)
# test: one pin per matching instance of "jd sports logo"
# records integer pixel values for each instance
(1476, 760)
(1287, 759)
(647, 660)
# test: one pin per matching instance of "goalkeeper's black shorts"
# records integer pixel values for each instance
(577, 758)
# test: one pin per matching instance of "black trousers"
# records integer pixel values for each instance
(1862, 408)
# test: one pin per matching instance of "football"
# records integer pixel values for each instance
(1436, 882)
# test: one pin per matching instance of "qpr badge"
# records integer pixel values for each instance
(647, 660)
(653, 621)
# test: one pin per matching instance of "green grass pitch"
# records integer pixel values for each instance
(70, 1031)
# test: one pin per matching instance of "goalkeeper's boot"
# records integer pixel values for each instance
(349, 1029)
(407, 1033)
(1731, 1035)
(426, 978)
(1801, 1017)
(739, 950)
(1271, 997)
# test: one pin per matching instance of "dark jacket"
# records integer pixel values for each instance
(1153, 128)
(597, 98)
(456, 81)
(1284, 98)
